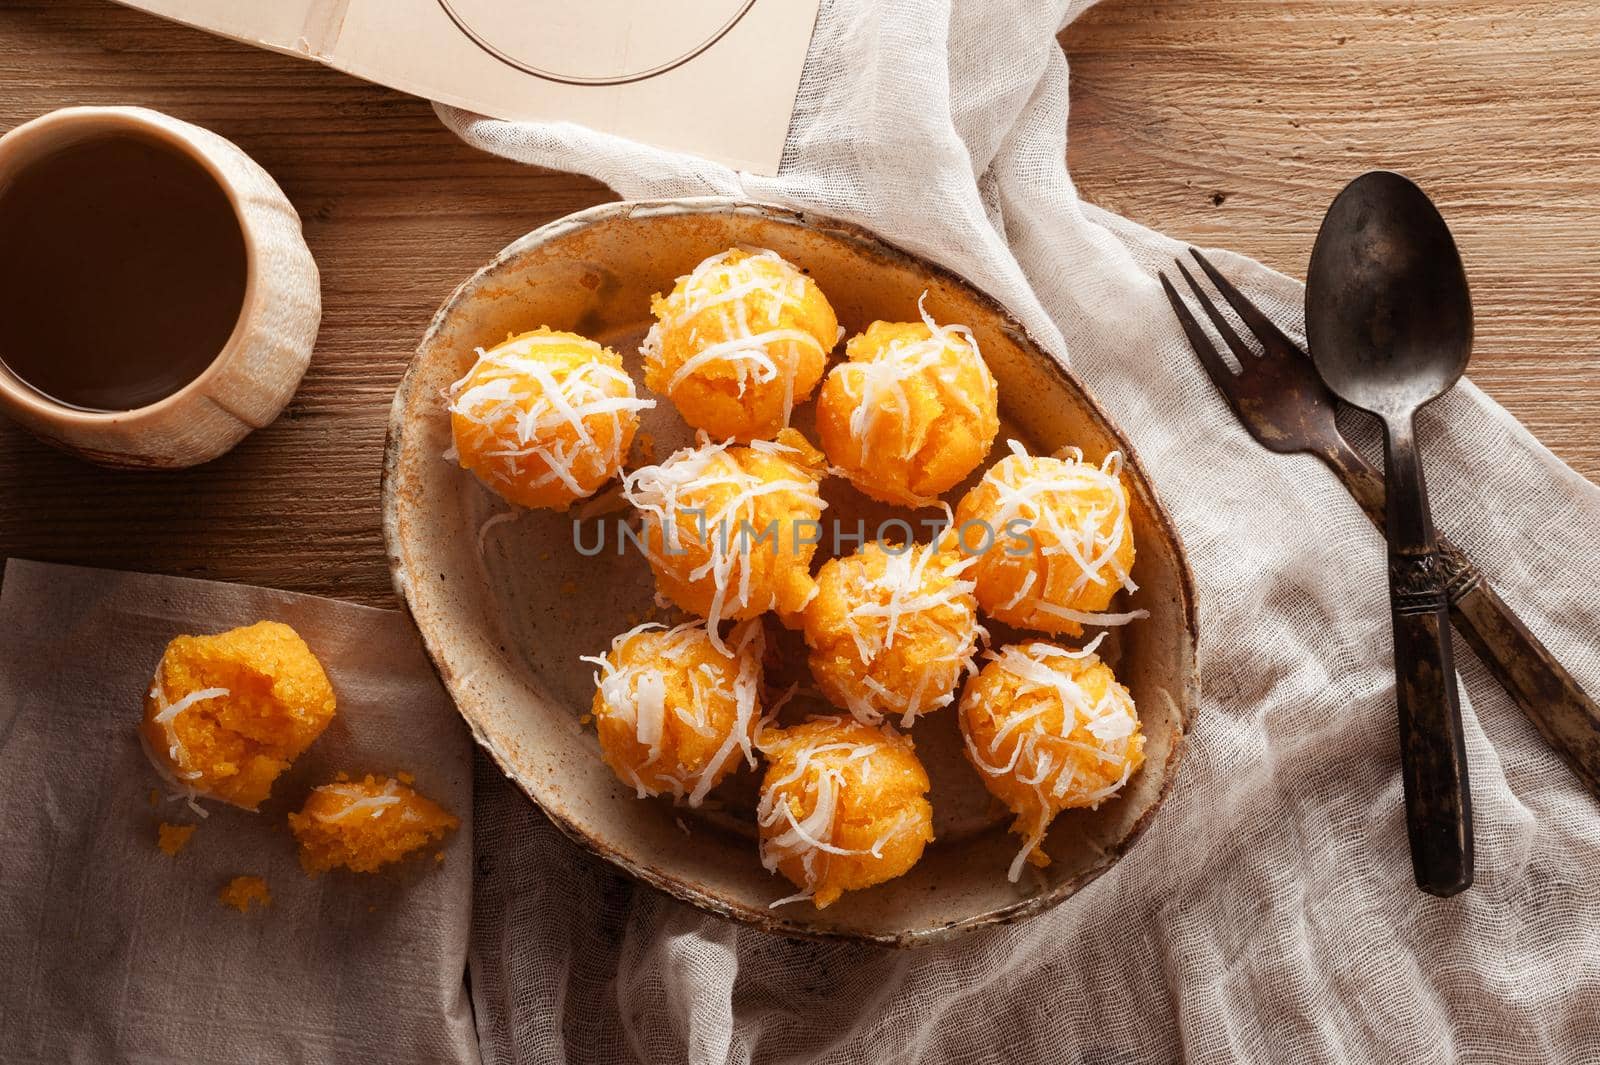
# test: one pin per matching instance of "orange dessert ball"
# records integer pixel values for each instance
(1049, 729)
(1053, 539)
(675, 711)
(911, 413)
(738, 342)
(226, 714)
(545, 418)
(843, 806)
(730, 531)
(892, 630)
(364, 825)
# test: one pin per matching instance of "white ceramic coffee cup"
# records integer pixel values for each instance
(254, 375)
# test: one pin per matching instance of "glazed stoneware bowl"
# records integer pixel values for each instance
(505, 608)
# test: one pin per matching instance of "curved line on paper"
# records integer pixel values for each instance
(567, 79)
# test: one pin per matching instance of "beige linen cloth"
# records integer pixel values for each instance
(110, 951)
(1269, 913)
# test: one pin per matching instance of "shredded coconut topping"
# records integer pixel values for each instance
(359, 802)
(520, 401)
(1045, 758)
(178, 774)
(731, 287)
(637, 693)
(823, 771)
(672, 497)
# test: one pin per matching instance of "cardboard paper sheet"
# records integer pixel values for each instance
(715, 78)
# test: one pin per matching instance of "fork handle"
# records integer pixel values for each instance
(1550, 697)
(1566, 717)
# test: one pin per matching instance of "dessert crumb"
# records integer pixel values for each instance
(243, 891)
(173, 838)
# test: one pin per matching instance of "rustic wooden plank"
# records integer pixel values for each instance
(1225, 122)
(1234, 122)
(397, 213)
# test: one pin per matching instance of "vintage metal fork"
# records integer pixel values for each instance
(1279, 398)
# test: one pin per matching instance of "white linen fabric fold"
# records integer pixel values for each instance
(1269, 913)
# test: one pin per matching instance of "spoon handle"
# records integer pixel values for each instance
(1565, 715)
(1433, 752)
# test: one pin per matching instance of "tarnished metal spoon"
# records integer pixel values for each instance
(1389, 325)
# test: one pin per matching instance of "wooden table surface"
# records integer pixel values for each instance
(1223, 122)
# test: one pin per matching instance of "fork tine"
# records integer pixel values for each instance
(1240, 349)
(1215, 365)
(1273, 341)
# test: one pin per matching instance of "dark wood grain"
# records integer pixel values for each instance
(1222, 121)
(1235, 122)
(397, 212)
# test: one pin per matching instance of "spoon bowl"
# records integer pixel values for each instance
(1391, 325)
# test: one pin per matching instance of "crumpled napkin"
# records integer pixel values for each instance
(112, 951)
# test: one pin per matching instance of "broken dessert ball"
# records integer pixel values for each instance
(242, 892)
(738, 342)
(545, 418)
(173, 838)
(364, 825)
(226, 714)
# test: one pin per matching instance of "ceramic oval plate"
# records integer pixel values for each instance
(506, 607)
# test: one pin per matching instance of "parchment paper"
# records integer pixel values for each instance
(112, 951)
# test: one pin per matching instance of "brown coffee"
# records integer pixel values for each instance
(122, 272)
